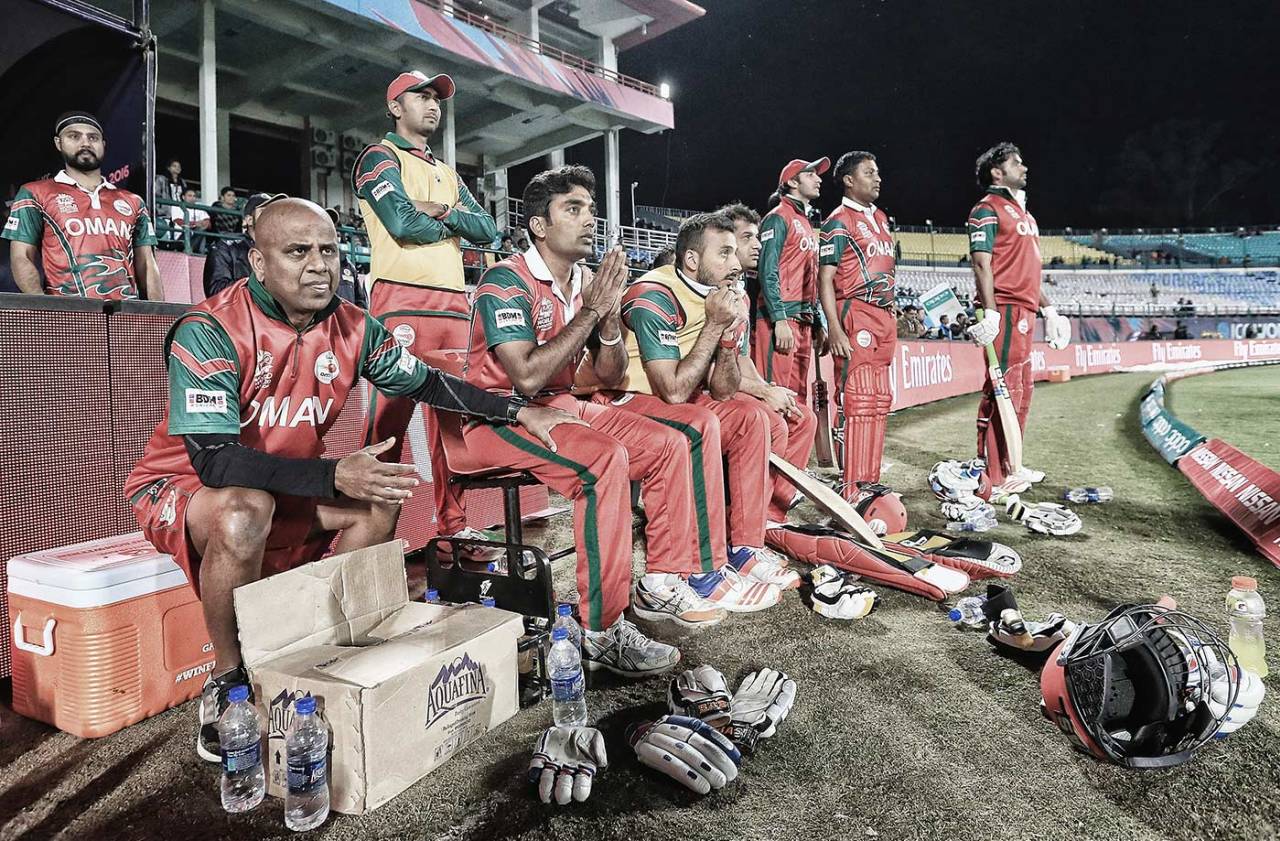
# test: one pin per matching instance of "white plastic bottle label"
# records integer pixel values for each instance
(307, 775)
(242, 759)
(568, 688)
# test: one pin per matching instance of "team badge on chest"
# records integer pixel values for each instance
(326, 367)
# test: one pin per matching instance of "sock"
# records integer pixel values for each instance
(653, 580)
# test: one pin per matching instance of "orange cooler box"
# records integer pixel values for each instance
(105, 634)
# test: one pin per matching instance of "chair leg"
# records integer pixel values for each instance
(513, 525)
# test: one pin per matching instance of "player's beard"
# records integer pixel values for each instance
(84, 161)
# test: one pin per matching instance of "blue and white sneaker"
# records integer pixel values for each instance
(728, 589)
(762, 565)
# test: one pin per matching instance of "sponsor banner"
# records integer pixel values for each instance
(1171, 437)
(940, 301)
(1247, 492)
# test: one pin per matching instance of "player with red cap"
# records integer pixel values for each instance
(418, 212)
(786, 301)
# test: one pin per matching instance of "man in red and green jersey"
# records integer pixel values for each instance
(786, 304)
(687, 325)
(856, 286)
(533, 316)
(95, 240)
(417, 212)
(233, 484)
(1004, 248)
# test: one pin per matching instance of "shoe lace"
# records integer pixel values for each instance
(628, 634)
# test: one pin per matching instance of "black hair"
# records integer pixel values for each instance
(994, 158)
(692, 229)
(169, 161)
(545, 186)
(665, 257)
(739, 212)
(848, 162)
(226, 189)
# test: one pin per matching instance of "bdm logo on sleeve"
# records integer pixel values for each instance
(509, 318)
(456, 685)
(200, 402)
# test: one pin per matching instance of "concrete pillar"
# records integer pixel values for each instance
(612, 183)
(224, 149)
(499, 195)
(555, 159)
(208, 74)
(608, 54)
(450, 138)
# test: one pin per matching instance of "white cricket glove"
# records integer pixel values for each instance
(1057, 328)
(983, 331)
(1249, 695)
(838, 595)
(762, 702)
(701, 693)
(565, 761)
(1013, 633)
(688, 750)
(1043, 517)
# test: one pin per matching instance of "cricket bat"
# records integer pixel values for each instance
(1009, 427)
(822, 445)
(827, 500)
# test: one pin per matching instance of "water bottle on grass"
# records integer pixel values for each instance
(967, 615)
(1088, 495)
(1245, 612)
(240, 734)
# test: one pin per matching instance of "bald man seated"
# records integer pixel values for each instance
(232, 483)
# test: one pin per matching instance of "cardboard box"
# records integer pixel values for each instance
(402, 685)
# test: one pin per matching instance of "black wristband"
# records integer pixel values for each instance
(514, 405)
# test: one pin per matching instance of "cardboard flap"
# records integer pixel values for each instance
(334, 601)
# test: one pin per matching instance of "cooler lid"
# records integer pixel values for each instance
(94, 565)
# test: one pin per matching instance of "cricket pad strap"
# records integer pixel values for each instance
(814, 544)
(978, 558)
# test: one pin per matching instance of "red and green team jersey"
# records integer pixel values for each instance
(86, 238)
(516, 301)
(1001, 226)
(788, 268)
(859, 243)
(238, 367)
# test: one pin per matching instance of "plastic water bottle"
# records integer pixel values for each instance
(973, 467)
(967, 614)
(564, 619)
(976, 524)
(568, 688)
(240, 734)
(1081, 495)
(432, 596)
(306, 804)
(1245, 612)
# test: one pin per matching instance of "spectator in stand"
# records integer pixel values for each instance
(1155, 292)
(193, 218)
(228, 221)
(909, 324)
(1181, 331)
(665, 257)
(94, 239)
(170, 185)
(960, 326)
(1251, 331)
(228, 260)
(944, 328)
(1152, 334)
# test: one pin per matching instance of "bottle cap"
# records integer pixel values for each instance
(955, 615)
(564, 610)
(433, 595)
(558, 634)
(488, 601)
(238, 693)
(305, 705)
(1243, 582)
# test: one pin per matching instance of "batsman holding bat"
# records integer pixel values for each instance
(1004, 248)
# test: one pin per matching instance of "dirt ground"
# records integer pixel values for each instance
(904, 728)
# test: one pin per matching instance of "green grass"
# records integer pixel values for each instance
(1237, 406)
(904, 728)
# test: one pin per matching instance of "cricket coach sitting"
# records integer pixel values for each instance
(232, 484)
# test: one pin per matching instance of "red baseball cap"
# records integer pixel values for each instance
(416, 80)
(798, 166)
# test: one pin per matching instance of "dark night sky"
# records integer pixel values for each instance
(928, 85)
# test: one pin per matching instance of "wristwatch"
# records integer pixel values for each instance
(515, 403)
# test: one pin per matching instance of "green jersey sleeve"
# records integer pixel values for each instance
(376, 179)
(386, 364)
(143, 231)
(504, 307)
(469, 220)
(652, 315)
(204, 380)
(833, 240)
(26, 219)
(982, 226)
(773, 234)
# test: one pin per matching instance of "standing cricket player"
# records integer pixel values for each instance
(417, 212)
(856, 285)
(786, 306)
(1004, 248)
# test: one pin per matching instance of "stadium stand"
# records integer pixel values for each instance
(949, 246)
(1261, 248)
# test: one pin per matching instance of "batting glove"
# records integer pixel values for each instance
(762, 702)
(687, 750)
(1013, 634)
(1057, 328)
(565, 761)
(984, 330)
(1044, 517)
(838, 595)
(701, 693)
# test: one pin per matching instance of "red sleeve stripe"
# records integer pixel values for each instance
(383, 349)
(501, 293)
(23, 204)
(204, 369)
(838, 232)
(375, 173)
(645, 304)
(986, 220)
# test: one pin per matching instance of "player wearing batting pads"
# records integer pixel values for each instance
(788, 277)
(791, 422)
(856, 287)
(532, 318)
(684, 341)
(418, 211)
(1004, 247)
(232, 483)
